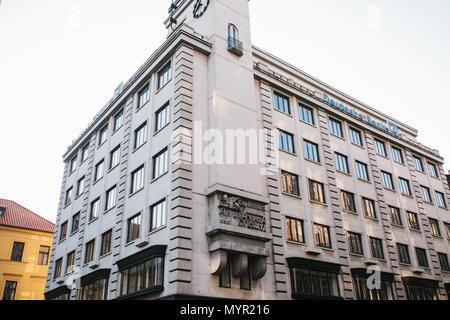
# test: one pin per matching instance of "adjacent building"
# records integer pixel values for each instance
(158, 201)
(25, 242)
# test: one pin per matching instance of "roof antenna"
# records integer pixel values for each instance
(172, 8)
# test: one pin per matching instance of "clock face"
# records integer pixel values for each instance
(200, 7)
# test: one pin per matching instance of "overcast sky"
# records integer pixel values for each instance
(61, 60)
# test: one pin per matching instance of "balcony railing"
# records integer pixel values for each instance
(235, 46)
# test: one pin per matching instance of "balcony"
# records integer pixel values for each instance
(235, 46)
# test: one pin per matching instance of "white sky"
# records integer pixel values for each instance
(61, 60)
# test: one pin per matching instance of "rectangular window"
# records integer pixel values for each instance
(348, 201)
(361, 169)
(146, 275)
(380, 148)
(369, 208)
(164, 75)
(422, 259)
(418, 164)
(395, 216)
(111, 197)
(75, 222)
(426, 194)
(106, 243)
(290, 183)
(322, 236)
(95, 209)
(432, 170)
(134, 228)
(341, 163)
(17, 251)
(84, 153)
(70, 261)
(140, 135)
(443, 260)
(294, 230)
(89, 254)
(160, 163)
(99, 170)
(57, 270)
(10, 290)
(310, 282)
(137, 179)
(387, 180)
(355, 243)
(447, 228)
(73, 164)
(44, 253)
(80, 186)
(162, 117)
(63, 232)
(94, 291)
(413, 221)
(311, 151)
(158, 215)
(434, 226)
(103, 135)
(144, 96)
(306, 114)
(316, 191)
(118, 120)
(404, 187)
(440, 199)
(376, 246)
(281, 103)
(286, 141)
(397, 154)
(403, 253)
(114, 157)
(68, 199)
(356, 137)
(336, 128)
(384, 290)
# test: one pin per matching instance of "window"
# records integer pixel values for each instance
(143, 96)
(137, 180)
(413, 221)
(75, 222)
(281, 103)
(68, 197)
(418, 164)
(380, 148)
(336, 128)
(70, 261)
(17, 251)
(348, 201)
(387, 180)
(311, 151)
(309, 282)
(225, 275)
(245, 279)
(103, 135)
(369, 208)
(160, 163)
(89, 254)
(403, 253)
(106, 243)
(443, 259)
(415, 292)
(73, 164)
(44, 252)
(316, 191)
(426, 194)
(233, 32)
(99, 168)
(432, 170)
(57, 270)
(341, 163)
(80, 186)
(404, 187)
(434, 225)
(95, 209)
(395, 216)
(361, 169)
(376, 246)
(355, 243)
(94, 291)
(290, 183)
(63, 232)
(294, 230)
(286, 141)
(306, 114)
(422, 259)
(140, 135)
(118, 120)
(164, 75)
(322, 236)
(355, 136)
(447, 227)
(385, 292)
(84, 153)
(158, 215)
(10, 290)
(162, 117)
(114, 157)
(147, 275)
(397, 154)
(111, 197)
(134, 228)
(440, 199)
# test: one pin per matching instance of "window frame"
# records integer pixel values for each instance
(285, 188)
(292, 225)
(279, 96)
(333, 124)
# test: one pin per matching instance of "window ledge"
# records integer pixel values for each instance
(112, 169)
(282, 112)
(134, 193)
(162, 128)
(344, 173)
(397, 225)
(157, 230)
(309, 124)
(109, 210)
(159, 177)
(101, 145)
(292, 195)
(93, 220)
(165, 84)
(365, 181)
(312, 161)
(106, 255)
(371, 218)
(288, 152)
(356, 255)
(95, 182)
(296, 243)
(145, 104)
(319, 203)
(357, 145)
(351, 212)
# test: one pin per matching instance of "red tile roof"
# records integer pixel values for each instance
(19, 217)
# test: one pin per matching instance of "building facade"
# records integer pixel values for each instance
(158, 203)
(25, 242)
